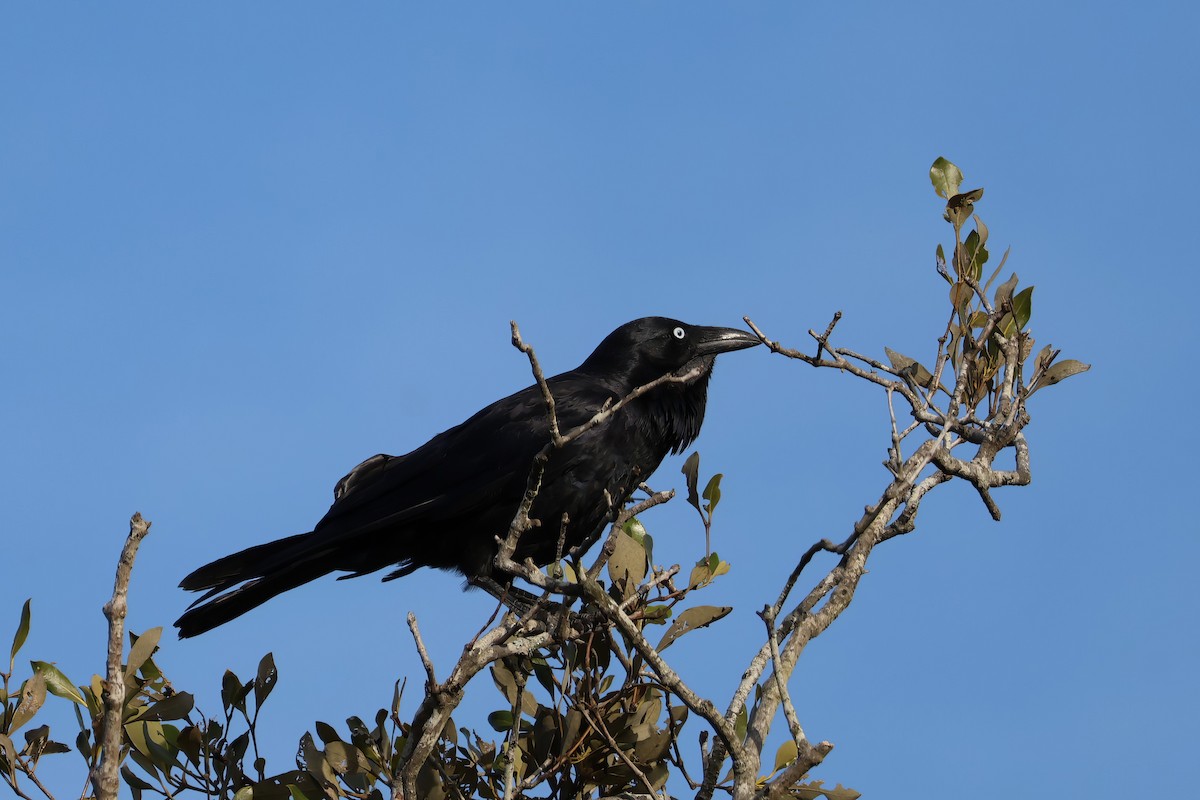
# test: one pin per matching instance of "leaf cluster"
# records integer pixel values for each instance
(982, 323)
(167, 746)
(582, 718)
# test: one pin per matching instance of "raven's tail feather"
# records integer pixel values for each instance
(263, 572)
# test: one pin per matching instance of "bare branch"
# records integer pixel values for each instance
(510, 769)
(789, 710)
(663, 671)
(430, 677)
(107, 782)
(538, 376)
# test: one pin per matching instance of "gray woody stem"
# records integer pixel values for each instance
(108, 781)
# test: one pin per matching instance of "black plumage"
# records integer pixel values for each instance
(444, 504)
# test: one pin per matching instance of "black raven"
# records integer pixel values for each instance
(444, 504)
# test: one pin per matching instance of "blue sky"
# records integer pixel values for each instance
(243, 247)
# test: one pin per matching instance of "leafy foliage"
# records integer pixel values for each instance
(581, 719)
(974, 324)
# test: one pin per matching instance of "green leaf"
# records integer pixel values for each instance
(177, 706)
(1023, 307)
(909, 367)
(1007, 326)
(690, 620)
(712, 493)
(976, 254)
(141, 650)
(299, 794)
(38, 743)
(266, 679)
(960, 297)
(314, 760)
(785, 755)
(571, 731)
(233, 691)
(739, 725)
(8, 757)
(506, 682)
(501, 720)
(980, 227)
(968, 198)
(940, 260)
(634, 528)
(1045, 358)
(159, 741)
(397, 696)
(545, 675)
(961, 207)
(656, 614)
(57, 683)
(33, 695)
(21, 634)
(946, 178)
(1060, 372)
(691, 468)
(135, 732)
(144, 762)
(627, 564)
(813, 790)
(36, 736)
(346, 759)
(327, 732)
(287, 786)
(189, 741)
(645, 718)
(133, 781)
(660, 772)
(706, 569)
(83, 744)
(1004, 291)
(93, 693)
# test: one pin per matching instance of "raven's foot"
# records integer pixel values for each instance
(519, 601)
(523, 603)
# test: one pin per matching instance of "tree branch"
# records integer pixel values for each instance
(108, 783)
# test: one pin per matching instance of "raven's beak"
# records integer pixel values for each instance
(723, 340)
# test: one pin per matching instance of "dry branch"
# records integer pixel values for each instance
(107, 782)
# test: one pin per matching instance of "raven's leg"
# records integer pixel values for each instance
(522, 602)
(519, 600)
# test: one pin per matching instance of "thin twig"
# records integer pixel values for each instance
(430, 677)
(789, 710)
(538, 376)
(510, 767)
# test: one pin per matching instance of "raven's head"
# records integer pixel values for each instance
(648, 348)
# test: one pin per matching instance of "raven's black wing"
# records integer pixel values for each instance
(441, 505)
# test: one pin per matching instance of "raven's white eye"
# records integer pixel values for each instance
(679, 333)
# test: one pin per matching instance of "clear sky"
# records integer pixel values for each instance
(245, 246)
